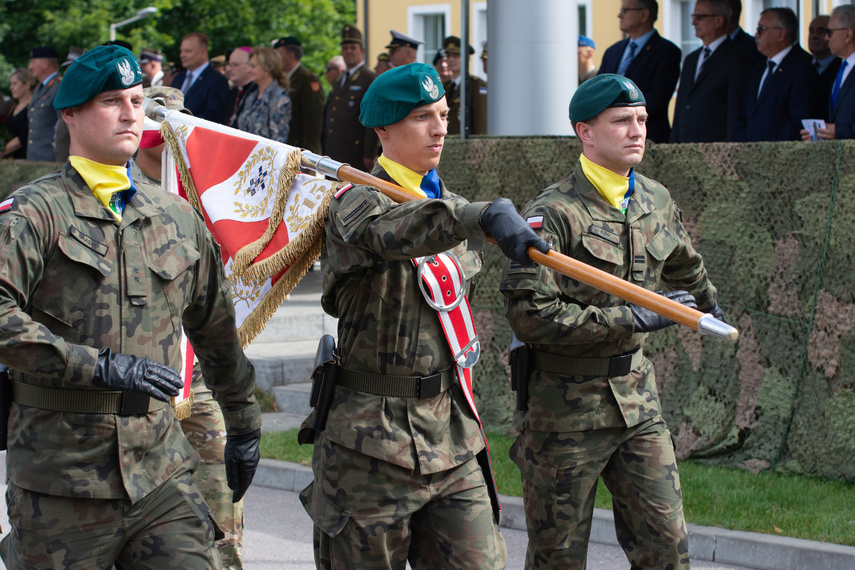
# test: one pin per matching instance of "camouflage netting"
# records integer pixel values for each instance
(776, 226)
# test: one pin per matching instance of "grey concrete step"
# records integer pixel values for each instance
(297, 321)
(282, 363)
(293, 398)
(280, 421)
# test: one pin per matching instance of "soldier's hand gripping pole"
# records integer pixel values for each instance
(705, 323)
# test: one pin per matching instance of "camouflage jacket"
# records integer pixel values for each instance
(647, 246)
(73, 281)
(386, 327)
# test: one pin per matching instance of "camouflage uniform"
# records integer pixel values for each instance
(397, 477)
(72, 281)
(580, 427)
(205, 429)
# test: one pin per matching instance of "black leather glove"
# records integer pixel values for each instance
(718, 313)
(125, 372)
(242, 457)
(646, 321)
(511, 232)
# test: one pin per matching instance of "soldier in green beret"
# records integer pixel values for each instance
(592, 408)
(398, 463)
(99, 274)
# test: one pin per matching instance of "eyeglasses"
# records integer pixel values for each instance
(830, 31)
(762, 29)
(703, 16)
(623, 11)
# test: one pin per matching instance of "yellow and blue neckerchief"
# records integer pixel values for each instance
(112, 185)
(614, 188)
(426, 186)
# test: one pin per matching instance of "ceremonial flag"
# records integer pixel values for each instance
(264, 212)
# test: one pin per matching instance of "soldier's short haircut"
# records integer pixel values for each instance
(846, 15)
(651, 6)
(788, 20)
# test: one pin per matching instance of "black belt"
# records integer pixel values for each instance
(580, 366)
(84, 401)
(397, 386)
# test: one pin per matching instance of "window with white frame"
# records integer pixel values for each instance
(689, 42)
(429, 23)
(584, 17)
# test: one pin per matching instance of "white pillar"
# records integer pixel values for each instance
(533, 66)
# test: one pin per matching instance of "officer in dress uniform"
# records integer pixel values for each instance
(345, 138)
(476, 89)
(307, 96)
(43, 118)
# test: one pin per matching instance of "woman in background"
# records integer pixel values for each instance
(267, 112)
(21, 85)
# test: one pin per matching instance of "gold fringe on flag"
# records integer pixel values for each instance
(182, 408)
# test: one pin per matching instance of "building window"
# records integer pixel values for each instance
(429, 24)
(583, 20)
(688, 41)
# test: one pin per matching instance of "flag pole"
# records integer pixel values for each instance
(702, 322)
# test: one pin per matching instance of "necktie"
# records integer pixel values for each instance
(836, 90)
(816, 65)
(625, 63)
(770, 69)
(188, 81)
(344, 77)
(705, 54)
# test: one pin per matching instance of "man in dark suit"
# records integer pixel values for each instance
(345, 139)
(712, 88)
(841, 99)
(651, 61)
(783, 90)
(825, 62)
(205, 89)
(743, 40)
(307, 96)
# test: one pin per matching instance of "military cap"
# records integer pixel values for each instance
(439, 55)
(585, 41)
(484, 52)
(147, 54)
(218, 61)
(287, 41)
(169, 97)
(602, 92)
(46, 52)
(395, 93)
(383, 56)
(73, 54)
(100, 69)
(451, 44)
(120, 43)
(399, 40)
(351, 35)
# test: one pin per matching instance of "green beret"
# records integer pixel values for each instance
(602, 92)
(103, 68)
(395, 93)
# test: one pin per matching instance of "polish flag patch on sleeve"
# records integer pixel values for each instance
(6, 205)
(536, 222)
(342, 190)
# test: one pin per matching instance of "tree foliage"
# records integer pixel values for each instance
(25, 24)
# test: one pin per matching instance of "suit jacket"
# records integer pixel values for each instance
(655, 70)
(307, 110)
(707, 109)
(826, 84)
(345, 139)
(790, 94)
(476, 92)
(43, 119)
(747, 44)
(842, 115)
(206, 98)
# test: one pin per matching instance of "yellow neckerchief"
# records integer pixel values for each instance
(107, 182)
(406, 178)
(614, 188)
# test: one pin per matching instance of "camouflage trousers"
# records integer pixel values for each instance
(169, 528)
(371, 514)
(560, 471)
(205, 429)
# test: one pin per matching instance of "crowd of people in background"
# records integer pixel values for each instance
(736, 87)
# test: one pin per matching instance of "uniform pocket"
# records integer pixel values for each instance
(662, 244)
(326, 515)
(172, 268)
(603, 249)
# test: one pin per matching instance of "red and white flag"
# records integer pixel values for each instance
(266, 215)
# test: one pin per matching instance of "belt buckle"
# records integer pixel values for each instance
(134, 403)
(620, 365)
(461, 290)
(430, 386)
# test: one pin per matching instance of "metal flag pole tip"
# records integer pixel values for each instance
(711, 326)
